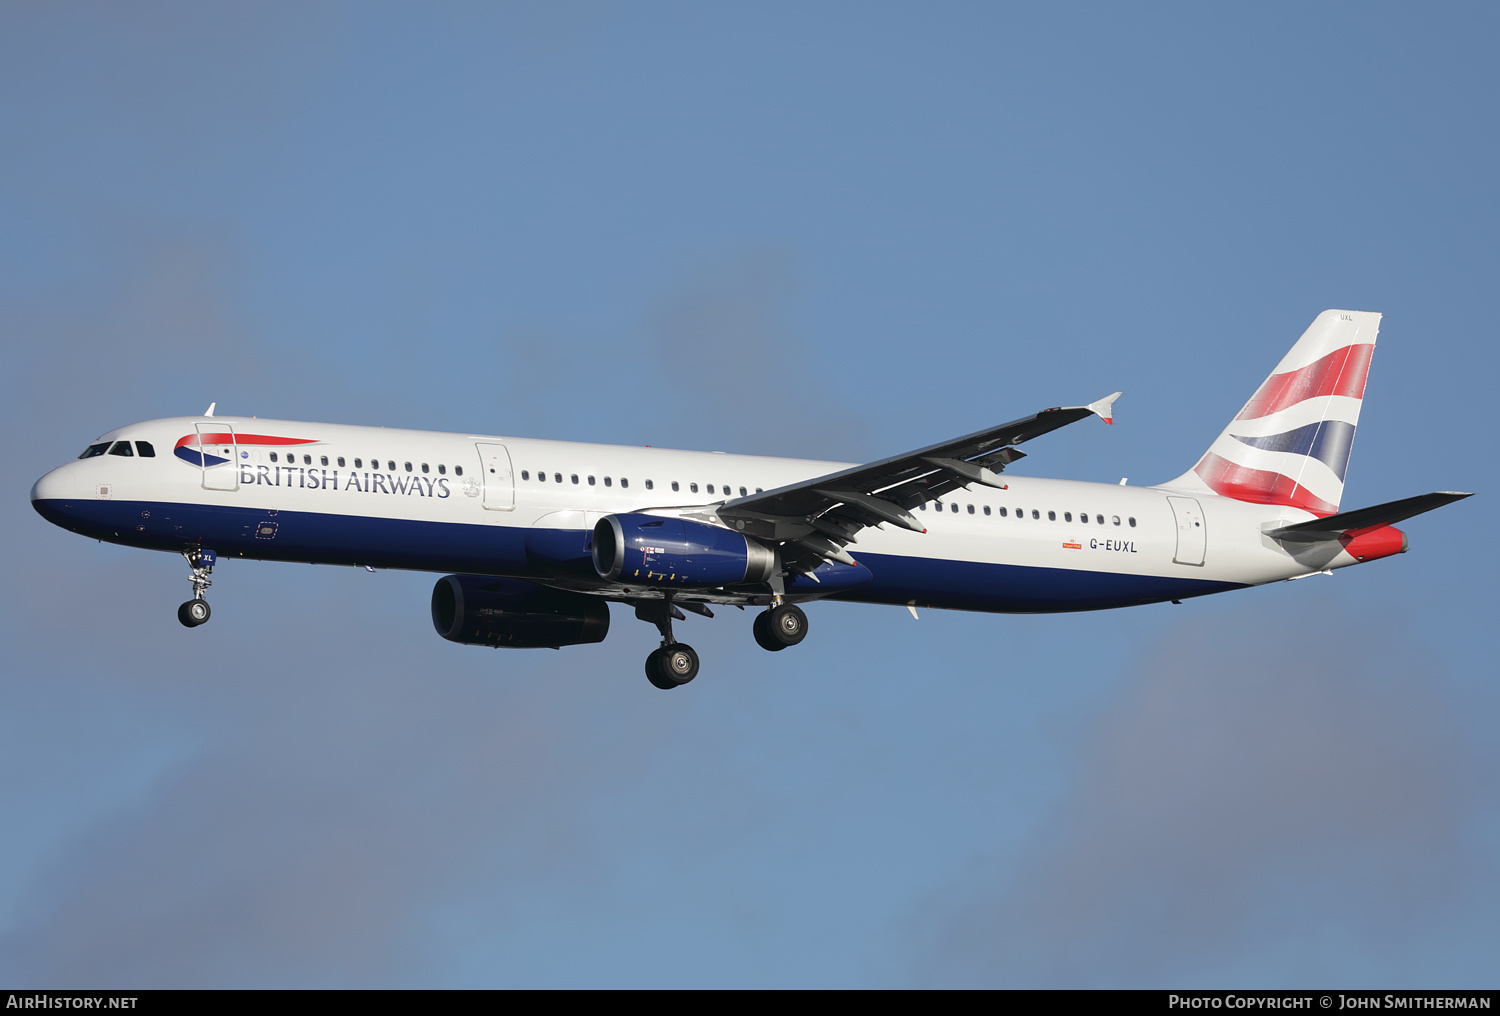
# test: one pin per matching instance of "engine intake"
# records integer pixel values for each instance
(477, 610)
(636, 548)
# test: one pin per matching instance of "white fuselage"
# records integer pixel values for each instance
(445, 502)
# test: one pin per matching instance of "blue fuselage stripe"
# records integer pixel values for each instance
(501, 550)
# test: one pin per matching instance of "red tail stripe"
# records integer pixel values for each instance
(1258, 486)
(1341, 372)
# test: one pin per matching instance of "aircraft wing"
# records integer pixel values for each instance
(818, 518)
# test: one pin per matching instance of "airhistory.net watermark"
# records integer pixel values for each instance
(42, 1000)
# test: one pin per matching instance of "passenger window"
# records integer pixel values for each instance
(408, 467)
(341, 461)
(954, 507)
(1004, 511)
(986, 509)
(94, 449)
(1117, 520)
(650, 485)
(693, 487)
(144, 450)
(1132, 522)
(971, 509)
(458, 470)
(922, 506)
(624, 482)
(121, 448)
(608, 482)
(591, 481)
(674, 485)
(710, 488)
(1035, 514)
(325, 460)
(359, 463)
(575, 478)
(391, 465)
(1099, 519)
(1067, 516)
(758, 490)
(1084, 518)
(424, 467)
(307, 461)
(525, 474)
(443, 471)
(273, 456)
(1052, 516)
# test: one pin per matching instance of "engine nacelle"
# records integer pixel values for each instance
(477, 610)
(650, 549)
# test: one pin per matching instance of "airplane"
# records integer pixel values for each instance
(539, 536)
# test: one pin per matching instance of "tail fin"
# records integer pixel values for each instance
(1290, 444)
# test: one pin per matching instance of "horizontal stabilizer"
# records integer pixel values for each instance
(1363, 518)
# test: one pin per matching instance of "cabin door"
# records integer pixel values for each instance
(219, 456)
(499, 482)
(1192, 535)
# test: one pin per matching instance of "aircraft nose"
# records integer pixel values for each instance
(56, 485)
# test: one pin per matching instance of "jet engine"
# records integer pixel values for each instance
(653, 550)
(478, 610)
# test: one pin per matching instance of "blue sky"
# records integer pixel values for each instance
(833, 230)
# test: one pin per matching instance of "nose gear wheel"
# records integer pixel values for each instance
(196, 611)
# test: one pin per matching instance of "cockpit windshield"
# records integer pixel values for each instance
(142, 448)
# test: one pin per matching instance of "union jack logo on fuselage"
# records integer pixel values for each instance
(189, 449)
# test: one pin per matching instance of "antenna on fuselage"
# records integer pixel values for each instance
(210, 410)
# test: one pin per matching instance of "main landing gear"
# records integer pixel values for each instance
(780, 626)
(195, 611)
(675, 663)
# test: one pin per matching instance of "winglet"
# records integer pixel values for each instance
(210, 410)
(1104, 408)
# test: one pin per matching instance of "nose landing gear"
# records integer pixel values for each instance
(196, 611)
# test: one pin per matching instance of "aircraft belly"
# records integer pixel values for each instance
(279, 535)
(1017, 588)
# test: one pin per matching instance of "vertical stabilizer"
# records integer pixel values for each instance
(1290, 444)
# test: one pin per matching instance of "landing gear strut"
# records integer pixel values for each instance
(196, 611)
(675, 663)
(781, 626)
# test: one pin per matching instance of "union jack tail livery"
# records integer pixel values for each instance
(1290, 444)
